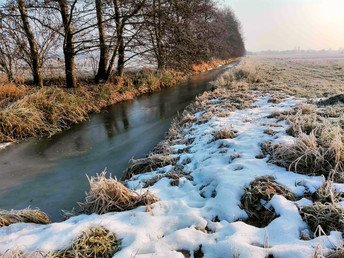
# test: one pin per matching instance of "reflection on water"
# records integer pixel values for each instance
(49, 173)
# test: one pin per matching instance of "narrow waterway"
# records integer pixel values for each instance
(49, 173)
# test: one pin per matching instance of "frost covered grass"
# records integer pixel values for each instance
(25, 216)
(93, 242)
(329, 217)
(299, 77)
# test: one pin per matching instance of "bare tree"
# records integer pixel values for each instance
(103, 48)
(68, 41)
(34, 56)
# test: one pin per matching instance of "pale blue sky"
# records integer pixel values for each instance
(286, 24)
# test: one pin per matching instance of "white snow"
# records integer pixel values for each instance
(175, 221)
(4, 145)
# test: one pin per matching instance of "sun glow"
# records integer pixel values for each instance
(280, 25)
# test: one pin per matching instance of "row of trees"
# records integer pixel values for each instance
(171, 33)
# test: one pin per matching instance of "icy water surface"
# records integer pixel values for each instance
(49, 173)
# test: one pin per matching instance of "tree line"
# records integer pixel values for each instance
(172, 34)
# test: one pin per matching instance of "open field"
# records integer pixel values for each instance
(254, 168)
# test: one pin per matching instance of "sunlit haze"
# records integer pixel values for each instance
(290, 24)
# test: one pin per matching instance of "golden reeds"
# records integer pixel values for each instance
(109, 195)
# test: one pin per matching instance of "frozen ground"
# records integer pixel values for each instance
(202, 214)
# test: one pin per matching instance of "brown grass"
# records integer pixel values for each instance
(297, 77)
(46, 111)
(329, 216)
(94, 242)
(109, 195)
(310, 155)
(326, 193)
(201, 67)
(25, 216)
(10, 92)
(148, 164)
(224, 133)
(262, 188)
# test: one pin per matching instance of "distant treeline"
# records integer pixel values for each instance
(171, 34)
(299, 52)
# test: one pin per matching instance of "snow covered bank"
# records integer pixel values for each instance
(201, 212)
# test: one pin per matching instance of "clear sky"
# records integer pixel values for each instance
(287, 24)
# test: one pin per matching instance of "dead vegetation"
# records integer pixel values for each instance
(337, 99)
(329, 216)
(262, 189)
(224, 133)
(310, 155)
(94, 242)
(148, 164)
(109, 195)
(24, 216)
(326, 193)
(30, 112)
(297, 77)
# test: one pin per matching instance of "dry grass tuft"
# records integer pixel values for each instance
(247, 71)
(326, 193)
(148, 164)
(109, 195)
(94, 242)
(303, 119)
(45, 112)
(10, 92)
(262, 188)
(25, 216)
(269, 131)
(224, 133)
(329, 216)
(310, 155)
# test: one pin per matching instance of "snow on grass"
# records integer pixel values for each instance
(204, 214)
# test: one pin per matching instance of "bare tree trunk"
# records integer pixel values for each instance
(104, 53)
(120, 61)
(68, 44)
(119, 32)
(35, 63)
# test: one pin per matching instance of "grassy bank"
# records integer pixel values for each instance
(27, 111)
